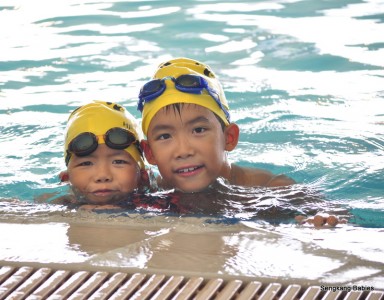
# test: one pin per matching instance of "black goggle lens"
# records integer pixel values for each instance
(87, 142)
(83, 144)
(117, 138)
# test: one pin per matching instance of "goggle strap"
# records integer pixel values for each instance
(67, 157)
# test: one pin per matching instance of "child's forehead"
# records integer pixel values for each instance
(185, 109)
(185, 113)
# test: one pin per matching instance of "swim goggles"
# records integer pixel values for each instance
(187, 83)
(87, 142)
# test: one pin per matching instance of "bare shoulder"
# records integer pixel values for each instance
(257, 177)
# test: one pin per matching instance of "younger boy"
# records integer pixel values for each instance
(102, 154)
(189, 132)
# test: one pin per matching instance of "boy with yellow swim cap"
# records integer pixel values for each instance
(187, 124)
(102, 153)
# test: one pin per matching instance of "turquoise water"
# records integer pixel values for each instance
(304, 81)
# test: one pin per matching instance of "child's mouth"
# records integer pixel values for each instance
(102, 193)
(188, 170)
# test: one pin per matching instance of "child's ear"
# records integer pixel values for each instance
(147, 182)
(64, 177)
(147, 152)
(144, 180)
(231, 133)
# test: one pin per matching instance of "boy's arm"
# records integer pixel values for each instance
(280, 180)
(321, 220)
(251, 177)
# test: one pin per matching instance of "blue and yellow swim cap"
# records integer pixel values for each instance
(175, 68)
(98, 117)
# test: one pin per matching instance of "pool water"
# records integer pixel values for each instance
(304, 80)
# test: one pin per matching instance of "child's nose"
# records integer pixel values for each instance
(103, 174)
(103, 179)
(184, 148)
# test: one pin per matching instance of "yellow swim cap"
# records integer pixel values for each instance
(98, 117)
(175, 68)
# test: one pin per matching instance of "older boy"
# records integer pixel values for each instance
(189, 132)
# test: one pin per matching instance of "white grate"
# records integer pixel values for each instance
(45, 283)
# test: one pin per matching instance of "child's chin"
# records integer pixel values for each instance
(107, 199)
(100, 201)
(192, 189)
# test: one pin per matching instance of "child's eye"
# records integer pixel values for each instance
(199, 130)
(164, 136)
(85, 164)
(120, 162)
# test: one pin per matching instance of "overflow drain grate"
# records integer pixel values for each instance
(45, 283)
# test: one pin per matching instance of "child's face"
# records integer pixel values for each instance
(103, 176)
(188, 148)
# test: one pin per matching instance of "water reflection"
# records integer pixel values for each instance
(95, 238)
(227, 204)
